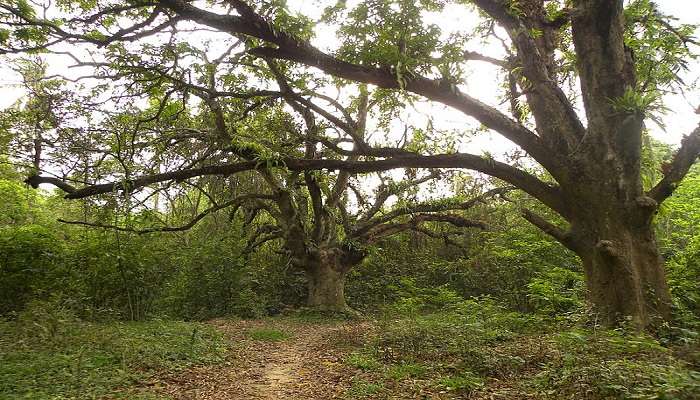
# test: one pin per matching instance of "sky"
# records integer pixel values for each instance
(480, 82)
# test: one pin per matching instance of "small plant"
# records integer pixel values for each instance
(363, 361)
(647, 104)
(406, 370)
(268, 335)
(46, 320)
(465, 382)
(361, 388)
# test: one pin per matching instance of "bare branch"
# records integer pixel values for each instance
(430, 207)
(547, 227)
(548, 194)
(679, 167)
(187, 226)
(384, 230)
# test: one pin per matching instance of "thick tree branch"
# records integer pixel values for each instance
(293, 49)
(549, 195)
(472, 55)
(383, 230)
(429, 207)
(547, 227)
(554, 114)
(386, 191)
(679, 167)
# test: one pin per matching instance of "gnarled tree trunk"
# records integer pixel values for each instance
(326, 273)
(625, 275)
(327, 288)
(611, 231)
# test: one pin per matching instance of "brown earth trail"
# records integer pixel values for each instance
(305, 365)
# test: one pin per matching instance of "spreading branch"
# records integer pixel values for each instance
(679, 167)
(544, 192)
(237, 201)
(291, 48)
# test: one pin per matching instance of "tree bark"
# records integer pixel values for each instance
(327, 287)
(625, 274)
(326, 268)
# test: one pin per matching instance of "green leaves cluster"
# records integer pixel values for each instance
(388, 34)
(661, 47)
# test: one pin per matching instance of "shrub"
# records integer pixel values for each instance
(614, 364)
(556, 291)
(28, 254)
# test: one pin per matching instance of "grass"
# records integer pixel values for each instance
(406, 370)
(466, 382)
(85, 360)
(477, 349)
(363, 361)
(361, 388)
(268, 335)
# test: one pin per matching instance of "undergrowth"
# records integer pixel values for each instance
(46, 354)
(477, 349)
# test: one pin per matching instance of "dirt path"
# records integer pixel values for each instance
(306, 365)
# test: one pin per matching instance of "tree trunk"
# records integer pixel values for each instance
(625, 274)
(327, 287)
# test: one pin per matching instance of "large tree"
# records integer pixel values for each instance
(326, 223)
(323, 233)
(581, 78)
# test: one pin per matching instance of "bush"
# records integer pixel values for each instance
(614, 364)
(452, 334)
(557, 291)
(28, 255)
(411, 299)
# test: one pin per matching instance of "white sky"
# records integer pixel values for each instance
(480, 83)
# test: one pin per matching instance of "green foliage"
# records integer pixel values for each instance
(683, 278)
(429, 337)
(479, 345)
(659, 45)
(28, 256)
(212, 281)
(15, 203)
(557, 291)
(268, 335)
(647, 104)
(680, 244)
(611, 364)
(413, 299)
(95, 360)
(388, 33)
(363, 361)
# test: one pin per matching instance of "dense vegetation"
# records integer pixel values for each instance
(216, 201)
(507, 306)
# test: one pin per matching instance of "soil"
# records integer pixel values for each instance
(308, 364)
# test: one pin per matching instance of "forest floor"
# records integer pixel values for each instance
(272, 359)
(476, 352)
(314, 359)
